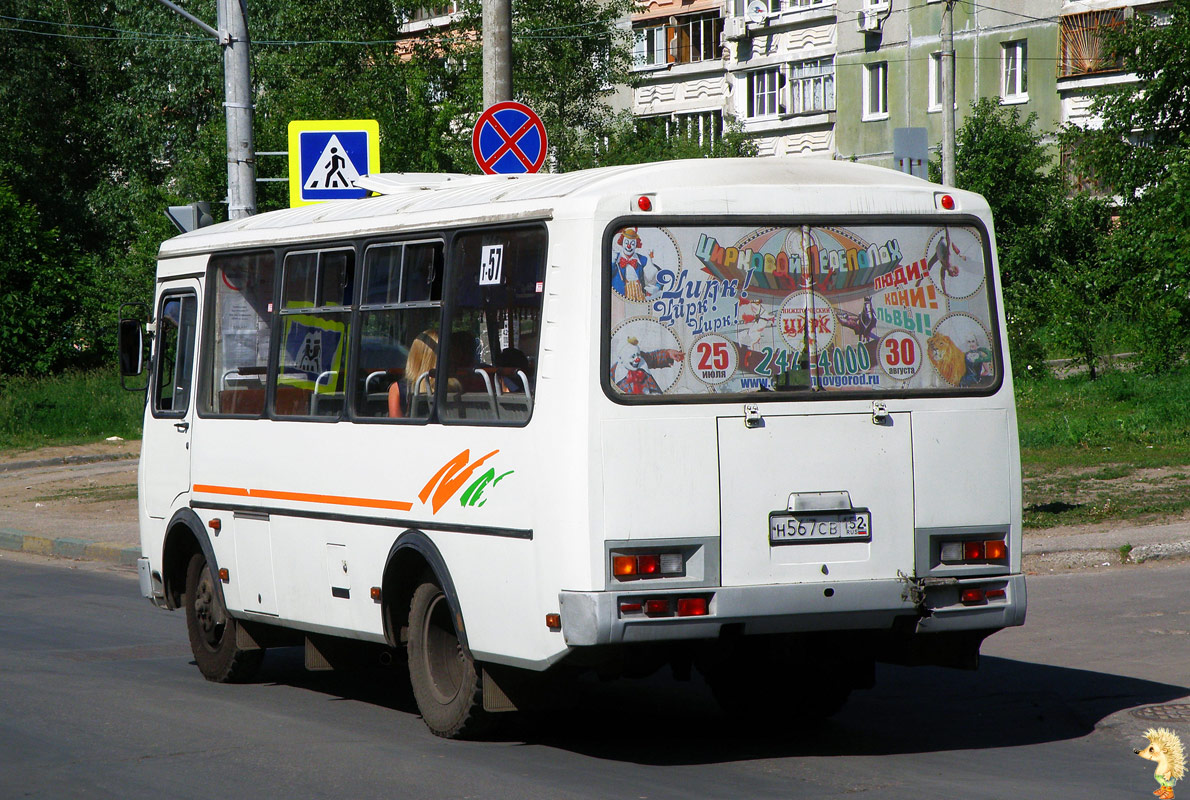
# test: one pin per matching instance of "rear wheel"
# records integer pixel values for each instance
(212, 630)
(445, 679)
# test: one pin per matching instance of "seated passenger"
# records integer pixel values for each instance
(421, 361)
(510, 362)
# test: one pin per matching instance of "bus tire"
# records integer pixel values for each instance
(212, 630)
(445, 679)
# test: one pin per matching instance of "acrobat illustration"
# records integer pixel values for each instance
(1166, 749)
(629, 374)
(634, 275)
(864, 325)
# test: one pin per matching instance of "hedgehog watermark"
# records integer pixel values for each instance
(1166, 749)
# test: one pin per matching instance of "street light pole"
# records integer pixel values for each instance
(232, 36)
(497, 51)
(948, 79)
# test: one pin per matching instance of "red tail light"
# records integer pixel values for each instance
(970, 597)
(973, 551)
(648, 565)
(658, 607)
(692, 606)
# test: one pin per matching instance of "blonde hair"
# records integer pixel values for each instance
(423, 357)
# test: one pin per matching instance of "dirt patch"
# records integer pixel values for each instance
(81, 491)
(1116, 493)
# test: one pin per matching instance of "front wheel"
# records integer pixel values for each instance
(445, 679)
(212, 630)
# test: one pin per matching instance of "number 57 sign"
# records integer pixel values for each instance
(491, 265)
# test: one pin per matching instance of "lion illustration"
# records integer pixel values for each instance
(1166, 749)
(947, 358)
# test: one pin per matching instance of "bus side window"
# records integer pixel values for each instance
(492, 349)
(176, 328)
(399, 321)
(315, 328)
(237, 352)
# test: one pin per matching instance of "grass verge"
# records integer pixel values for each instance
(1113, 449)
(73, 408)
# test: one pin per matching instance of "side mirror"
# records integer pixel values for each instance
(130, 344)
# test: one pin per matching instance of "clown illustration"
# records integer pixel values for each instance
(634, 275)
(629, 373)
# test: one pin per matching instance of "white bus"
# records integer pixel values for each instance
(728, 414)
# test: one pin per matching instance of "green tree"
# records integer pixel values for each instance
(1141, 154)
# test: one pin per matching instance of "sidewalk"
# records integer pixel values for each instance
(80, 502)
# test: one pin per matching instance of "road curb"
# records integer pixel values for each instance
(60, 461)
(65, 547)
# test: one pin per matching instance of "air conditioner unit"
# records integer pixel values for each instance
(869, 21)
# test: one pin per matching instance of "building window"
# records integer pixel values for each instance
(1081, 46)
(433, 11)
(649, 46)
(694, 38)
(935, 99)
(812, 85)
(1014, 85)
(763, 91)
(875, 91)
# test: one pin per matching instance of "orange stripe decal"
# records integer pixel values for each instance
(205, 489)
(302, 497)
(366, 502)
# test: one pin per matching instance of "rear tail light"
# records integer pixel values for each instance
(970, 597)
(658, 607)
(698, 606)
(973, 552)
(648, 565)
(624, 566)
(995, 594)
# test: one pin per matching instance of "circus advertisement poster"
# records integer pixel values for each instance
(699, 310)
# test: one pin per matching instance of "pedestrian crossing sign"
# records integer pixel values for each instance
(327, 156)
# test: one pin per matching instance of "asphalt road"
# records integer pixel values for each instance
(99, 698)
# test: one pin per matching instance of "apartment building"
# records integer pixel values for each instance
(834, 78)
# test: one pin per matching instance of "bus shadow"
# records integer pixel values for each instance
(663, 722)
(1006, 703)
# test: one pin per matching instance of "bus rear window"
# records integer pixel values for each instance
(886, 308)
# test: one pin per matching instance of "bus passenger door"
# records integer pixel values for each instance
(165, 449)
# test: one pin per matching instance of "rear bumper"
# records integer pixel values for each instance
(594, 618)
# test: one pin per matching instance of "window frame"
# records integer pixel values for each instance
(1019, 51)
(828, 79)
(359, 308)
(208, 333)
(866, 112)
(181, 294)
(998, 344)
(449, 315)
(280, 313)
(777, 74)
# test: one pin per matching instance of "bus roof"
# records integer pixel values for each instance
(420, 199)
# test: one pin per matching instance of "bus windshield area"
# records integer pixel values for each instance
(728, 309)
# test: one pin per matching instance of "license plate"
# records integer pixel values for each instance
(848, 526)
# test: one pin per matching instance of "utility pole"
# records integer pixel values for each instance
(497, 51)
(948, 79)
(232, 36)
